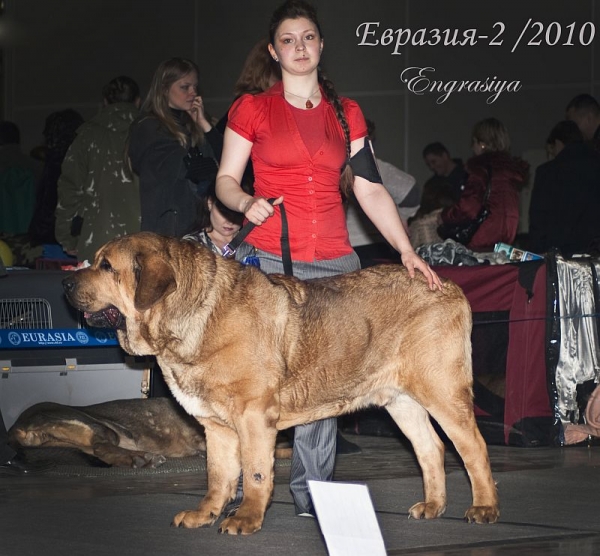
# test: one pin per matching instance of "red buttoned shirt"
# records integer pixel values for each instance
(283, 166)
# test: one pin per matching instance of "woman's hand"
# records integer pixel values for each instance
(412, 261)
(257, 209)
(197, 114)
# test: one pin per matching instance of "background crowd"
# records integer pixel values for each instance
(44, 220)
(151, 167)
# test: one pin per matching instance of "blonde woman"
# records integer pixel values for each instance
(506, 174)
(174, 149)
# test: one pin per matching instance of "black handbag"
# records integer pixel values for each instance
(463, 232)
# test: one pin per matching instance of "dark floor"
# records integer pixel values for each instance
(550, 504)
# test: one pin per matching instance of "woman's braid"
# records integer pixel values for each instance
(347, 176)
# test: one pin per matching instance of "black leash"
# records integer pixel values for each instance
(286, 256)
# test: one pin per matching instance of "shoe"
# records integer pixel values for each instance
(18, 466)
(234, 505)
(301, 512)
(231, 509)
(344, 447)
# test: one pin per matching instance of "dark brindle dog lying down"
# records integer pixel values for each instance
(249, 354)
(124, 433)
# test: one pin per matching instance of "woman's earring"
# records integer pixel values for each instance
(275, 58)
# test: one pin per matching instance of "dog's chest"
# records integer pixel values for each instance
(193, 404)
(186, 393)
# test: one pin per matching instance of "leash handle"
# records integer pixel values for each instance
(230, 249)
(286, 256)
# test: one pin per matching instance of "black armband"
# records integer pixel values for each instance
(363, 164)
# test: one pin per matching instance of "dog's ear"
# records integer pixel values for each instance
(155, 280)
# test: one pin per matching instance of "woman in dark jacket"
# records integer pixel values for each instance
(508, 174)
(174, 150)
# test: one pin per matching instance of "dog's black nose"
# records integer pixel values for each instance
(68, 284)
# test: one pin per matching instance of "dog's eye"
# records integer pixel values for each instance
(105, 265)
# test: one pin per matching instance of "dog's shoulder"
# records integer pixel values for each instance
(294, 288)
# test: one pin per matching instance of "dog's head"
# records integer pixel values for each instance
(129, 276)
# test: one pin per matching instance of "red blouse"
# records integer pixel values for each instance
(283, 166)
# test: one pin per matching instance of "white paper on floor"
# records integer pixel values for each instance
(347, 519)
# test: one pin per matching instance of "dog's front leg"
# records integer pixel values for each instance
(257, 435)
(223, 465)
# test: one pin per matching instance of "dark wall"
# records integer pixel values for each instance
(63, 51)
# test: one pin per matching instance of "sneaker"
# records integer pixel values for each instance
(303, 512)
(306, 514)
(231, 509)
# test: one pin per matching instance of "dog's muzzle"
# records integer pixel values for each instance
(110, 317)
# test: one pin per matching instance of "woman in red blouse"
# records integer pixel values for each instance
(299, 135)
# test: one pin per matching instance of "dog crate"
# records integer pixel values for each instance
(25, 313)
(47, 353)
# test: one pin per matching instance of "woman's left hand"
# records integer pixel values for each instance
(412, 261)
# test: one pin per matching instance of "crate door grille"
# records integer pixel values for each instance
(32, 313)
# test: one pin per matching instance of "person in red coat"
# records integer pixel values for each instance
(508, 174)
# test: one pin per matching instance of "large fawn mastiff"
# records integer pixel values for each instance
(248, 354)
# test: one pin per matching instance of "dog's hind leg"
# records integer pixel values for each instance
(223, 465)
(414, 422)
(455, 416)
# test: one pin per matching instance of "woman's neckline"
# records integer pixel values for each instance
(314, 106)
(305, 110)
(177, 113)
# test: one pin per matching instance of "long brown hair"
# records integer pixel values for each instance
(157, 100)
(295, 9)
(258, 72)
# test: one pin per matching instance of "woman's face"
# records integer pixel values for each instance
(297, 45)
(182, 93)
(220, 225)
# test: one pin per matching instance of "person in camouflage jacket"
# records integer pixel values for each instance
(98, 197)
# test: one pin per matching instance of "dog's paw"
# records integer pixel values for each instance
(482, 514)
(237, 525)
(192, 519)
(156, 460)
(426, 510)
(147, 460)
